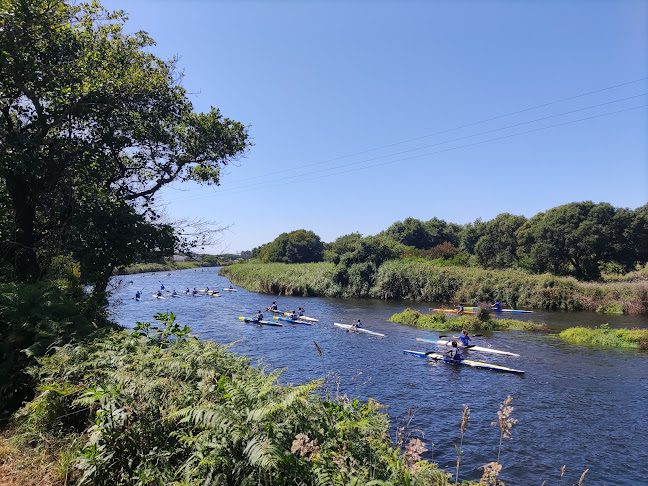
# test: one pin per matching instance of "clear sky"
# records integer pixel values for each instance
(363, 113)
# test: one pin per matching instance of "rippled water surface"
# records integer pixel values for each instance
(586, 408)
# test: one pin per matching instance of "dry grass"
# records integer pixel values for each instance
(24, 466)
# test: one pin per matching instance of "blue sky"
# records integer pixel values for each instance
(364, 113)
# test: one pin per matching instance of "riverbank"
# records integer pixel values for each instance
(423, 281)
(111, 410)
(602, 336)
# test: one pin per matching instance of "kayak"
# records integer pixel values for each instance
(471, 347)
(293, 321)
(303, 318)
(466, 362)
(275, 311)
(175, 295)
(348, 327)
(158, 296)
(502, 310)
(232, 290)
(455, 311)
(254, 321)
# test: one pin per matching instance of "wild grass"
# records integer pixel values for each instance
(440, 322)
(604, 336)
(156, 267)
(303, 279)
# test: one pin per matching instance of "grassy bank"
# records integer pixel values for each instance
(421, 281)
(156, 267)
(604, 336)
(307, 279)
(439, 322)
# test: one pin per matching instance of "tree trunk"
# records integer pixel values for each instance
(24, 261)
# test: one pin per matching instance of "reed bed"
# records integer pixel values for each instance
(422, 281)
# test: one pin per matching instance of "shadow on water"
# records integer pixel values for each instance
(578, 406)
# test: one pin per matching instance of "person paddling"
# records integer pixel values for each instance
(138, 295)
(273, 307)
(463, 337)
(454, 353)
(258, 317)
(497, 306)
(357, 324)
(300, 311)
(460, 309)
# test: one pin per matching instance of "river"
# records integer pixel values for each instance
(586, 408)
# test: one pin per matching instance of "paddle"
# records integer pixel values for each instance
(474, 335)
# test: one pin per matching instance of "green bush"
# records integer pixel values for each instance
(157, 406)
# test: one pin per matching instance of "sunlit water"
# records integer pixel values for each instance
(586, 408)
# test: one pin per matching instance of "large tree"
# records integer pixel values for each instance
(298, 246)
(92, 125)
(497, 248)
(568, 239)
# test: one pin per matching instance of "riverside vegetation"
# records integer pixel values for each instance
(158, 406)
(603, 336)
(428, 281)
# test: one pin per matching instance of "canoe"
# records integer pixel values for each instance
(303, 318)
(519, 311)
(465, 362)
(348, 327)
(471, 347)
(158, 296)
(455, 311)
(293, 321)
(267, 323)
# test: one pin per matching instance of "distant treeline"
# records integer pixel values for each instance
(582, 239)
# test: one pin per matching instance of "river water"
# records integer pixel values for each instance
(586, 408)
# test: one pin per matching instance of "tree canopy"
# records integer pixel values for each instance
(92, 125)
(298, 246)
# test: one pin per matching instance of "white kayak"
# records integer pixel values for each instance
(470, 347)
(303, 318)
(349, 327)
(158, 296)
(231, 290)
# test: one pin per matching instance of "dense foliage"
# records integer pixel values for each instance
(91, 126)
(299, 246)
(158, 406)
(578, 239)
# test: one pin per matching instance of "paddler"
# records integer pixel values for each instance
(159, 293)
(454, 352)
(300, 311)
(273, 307)
(174, 292)
(460, 309)
(292, 315)
(138, 294)
(463, 337)
(258, 317)
(357, 324)
(497, 306)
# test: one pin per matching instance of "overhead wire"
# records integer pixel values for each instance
(235, 190)
(562, 100)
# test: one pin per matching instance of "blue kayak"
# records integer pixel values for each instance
(465, 362)
(293, 321)
(254, 321)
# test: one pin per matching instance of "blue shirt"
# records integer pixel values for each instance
(465, 340)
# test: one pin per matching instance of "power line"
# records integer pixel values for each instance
(240, 188)
(449, 129)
